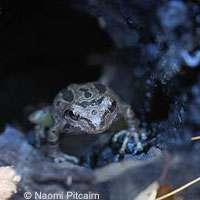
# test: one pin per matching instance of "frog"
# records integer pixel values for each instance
(85, 108)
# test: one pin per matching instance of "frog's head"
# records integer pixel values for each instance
(86, 108)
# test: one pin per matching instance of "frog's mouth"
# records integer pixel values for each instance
(71, 129)
(91, 125)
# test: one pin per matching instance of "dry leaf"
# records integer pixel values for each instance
(164, 189)
(149, 193)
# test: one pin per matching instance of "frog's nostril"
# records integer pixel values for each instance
(94, 112)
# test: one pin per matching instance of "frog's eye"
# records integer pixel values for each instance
(69, 113)
(112, 106)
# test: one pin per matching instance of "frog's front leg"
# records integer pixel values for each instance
(39, 130)
(53, 147)
(133, 130)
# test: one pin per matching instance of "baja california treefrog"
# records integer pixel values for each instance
(85, 108)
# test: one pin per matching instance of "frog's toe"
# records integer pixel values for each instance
(71, 158)
(128, 136)
(66, 158)
(59, 160)
(139, 146)
(118, 135)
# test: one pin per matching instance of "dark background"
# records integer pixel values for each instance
(43, 47)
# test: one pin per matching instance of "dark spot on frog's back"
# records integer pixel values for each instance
(67, 95)
(58, 103)
(94, 102)
(86, 93)
(101, 88)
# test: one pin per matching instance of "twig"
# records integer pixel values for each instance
(179, 189)
(195, 138)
